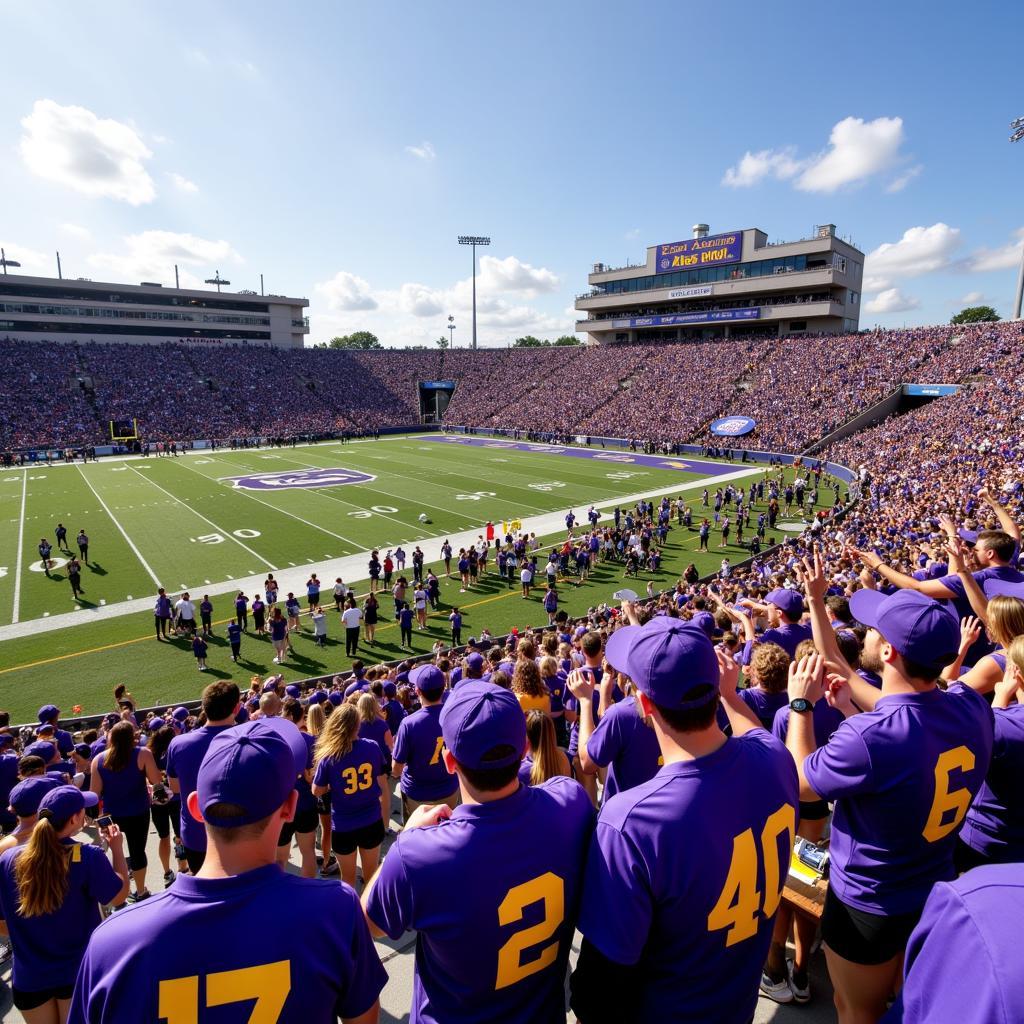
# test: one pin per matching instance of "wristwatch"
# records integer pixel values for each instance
(800, 705)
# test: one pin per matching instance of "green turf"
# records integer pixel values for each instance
(165, 506)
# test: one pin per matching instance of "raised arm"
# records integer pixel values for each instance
(1005, 519)
(930, 588)
(741, 716)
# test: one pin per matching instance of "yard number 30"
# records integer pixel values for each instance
(268, 984)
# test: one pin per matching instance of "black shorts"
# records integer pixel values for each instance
(813, 810)
(304, 822)
(366, 838)
(323, 804)
(863, 937)
(165, 817)
(32, 1000)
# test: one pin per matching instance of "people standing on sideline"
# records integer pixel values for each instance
(235, 639)
(206, 615)
(61, 534)
(294, 610)
(83, 546)
(162, 613)
(370, 608)
(319, 617)
(74, 569)
(51, 889)
(455, 618)
(45, 548)
(119, 777)
(351, 617)
(312, 592)
(339, 593)
(199, 650)
(405, 625)
(185, 612)
(279, 635)
(242, 610)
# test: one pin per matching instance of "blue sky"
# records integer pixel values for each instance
(340, 148)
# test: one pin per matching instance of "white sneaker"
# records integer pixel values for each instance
(801, 995)
(779, 991)
(276, 662)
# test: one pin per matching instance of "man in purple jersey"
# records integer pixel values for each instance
(902, 774)
(686, 870)
(418, 748)
(963, 959)
(185, 755)
(242, 940)
(786, 608)
(491, 888)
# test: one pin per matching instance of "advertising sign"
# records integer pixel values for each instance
(698, 252)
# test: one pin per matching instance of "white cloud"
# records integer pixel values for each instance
(857, 150)
(892, 300)
(753, 167)
(98, 157)
(76, 231)
(181, 183)
(32, 262)
(346, 291)
(152, 255)
(197, 56)
(424, 151)
(420, 300)
(970, 299)
(1003, 258)
(899, 183)
(513, 275)
(921, 250)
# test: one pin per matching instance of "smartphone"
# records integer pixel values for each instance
(160, 792)
(105, 821)
(625, 594)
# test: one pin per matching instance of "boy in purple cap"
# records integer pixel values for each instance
(419, 745)
(49, 714)
(185, 754)
(499, 953)
(786, 608)
(686, 870)
(51, 889)
(902, 775)
(312, 960)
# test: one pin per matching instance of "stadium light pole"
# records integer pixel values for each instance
(474, 241)
(5, 263)
(451, 331)
(1017, 130)
(217, 280)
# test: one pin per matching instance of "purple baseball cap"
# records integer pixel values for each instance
(336, 698)
(666, 659)
(968, 536)
(706, 622)
(475, 662)
(181, 714)
(789, 601)
(111, 719)
(154, 724)
(62, 802)
(41, 748)
(293, 690)
(921, 629)
(27, 794)
(427, 678)
(389, 689)
(6, 739)
(253, 766)
(478, 718)
(270, 686)
(318, 697)
(48, 712)
(45, 727)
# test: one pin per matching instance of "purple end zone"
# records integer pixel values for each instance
(285, 479)
(613, 457)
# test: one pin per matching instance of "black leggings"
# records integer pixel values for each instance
(135, 828)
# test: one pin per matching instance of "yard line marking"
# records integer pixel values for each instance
(128, 540)
(291, 515)
(226, 533)
(21, 540)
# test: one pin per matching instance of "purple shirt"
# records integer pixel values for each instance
(994, 825)
(478, 954)
(763, 703)
(418, 748)
(963, 958)
(788, 636)
(311, 957)
(826, 720)
(394, 713)
(125, 792)
(997, 579)
(49, 948)
(661, 879)
(902, 777)
(376, 731)
(355, 791)
(184, 756)
(625, 745)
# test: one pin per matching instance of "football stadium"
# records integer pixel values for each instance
(409, 645)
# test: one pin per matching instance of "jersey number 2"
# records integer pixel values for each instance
(268, 984)
(550, 889)
(739, 903)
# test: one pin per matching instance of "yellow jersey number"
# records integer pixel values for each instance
(357, 778)
(947, 803)
(549, 889)
(740, 902)
(268, 984)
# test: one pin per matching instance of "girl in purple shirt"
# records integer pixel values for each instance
(373, 726)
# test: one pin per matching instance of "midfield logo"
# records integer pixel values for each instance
(286, 479)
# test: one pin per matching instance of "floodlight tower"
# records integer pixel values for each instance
(451, 331)
(5, 262)
(217, 280)
(474, 241)
(1017, 133)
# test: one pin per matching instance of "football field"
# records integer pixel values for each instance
(215, 522)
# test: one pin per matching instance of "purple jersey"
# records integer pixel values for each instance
(49, 948)
(355, 791)
(493, 907)
(625, 745)
(763, 703)
(394, 713)
(826, 720)
(902, 777)
(184, 756)
(307, 801)
(788, 636)
(694, 916)
(963, 958)
(418, 747)
(178, 955)
(994, 825)
(125, 792)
